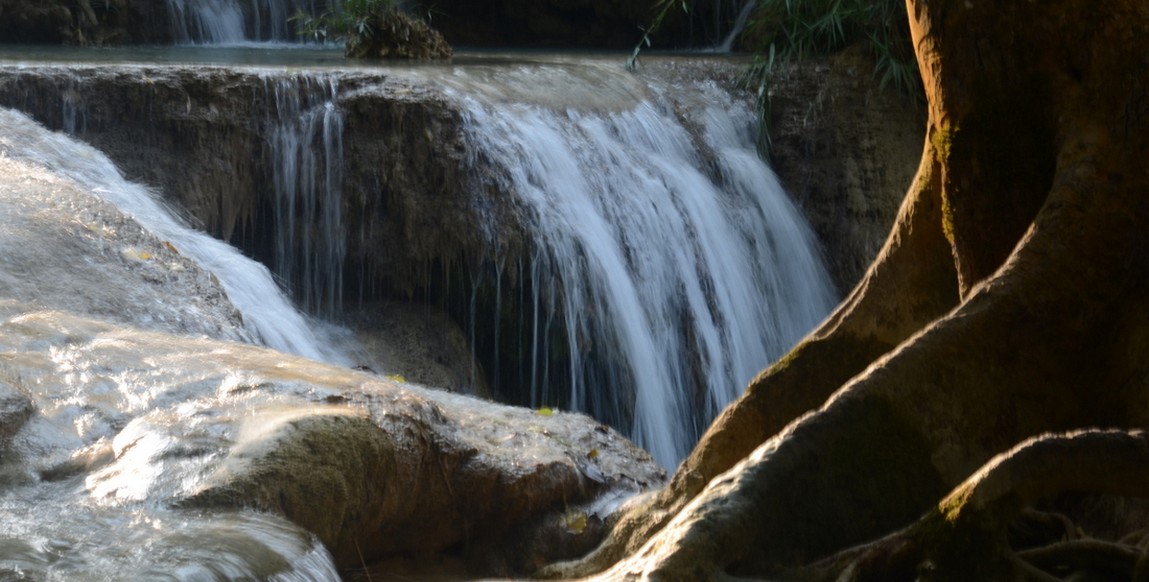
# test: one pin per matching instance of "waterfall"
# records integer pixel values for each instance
(671, 262)
(266, 310)
(739, 25)
(307, 166)
(230, 22)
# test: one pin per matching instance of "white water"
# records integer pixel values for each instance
(230, 22)
(307, 149)
(685, 269)
(266, 311)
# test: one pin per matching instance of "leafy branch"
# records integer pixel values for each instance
(663, 7)
(354, 18)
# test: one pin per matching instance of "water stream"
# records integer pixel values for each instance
(266, 310)
(666, 264)
(668, 256)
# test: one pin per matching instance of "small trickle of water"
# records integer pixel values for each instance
(672, 259)
(307, 164)
(727, 44)
(266, 310)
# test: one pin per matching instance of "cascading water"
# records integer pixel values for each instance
(230, 22)
(665, 265)
(671, 260)
(307, 149)
(266, 311)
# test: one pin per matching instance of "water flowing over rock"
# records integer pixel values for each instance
(181, 444)
(611, 243)
(307, 171)
(269, 315)
(229, 461)
(64, 248)
(667, 261)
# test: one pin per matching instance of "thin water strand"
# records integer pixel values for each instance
(306, 138)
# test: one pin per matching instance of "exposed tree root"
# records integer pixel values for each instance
(1011, 300)
(964, 537)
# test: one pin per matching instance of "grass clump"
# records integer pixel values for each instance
(797, 29)
(802, 28)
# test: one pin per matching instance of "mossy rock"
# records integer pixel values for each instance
(393, 34)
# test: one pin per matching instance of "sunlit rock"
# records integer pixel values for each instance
(372, 467)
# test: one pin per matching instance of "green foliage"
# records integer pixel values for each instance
(353, 19)
(663, 7)
(801, 28)
(795, 29)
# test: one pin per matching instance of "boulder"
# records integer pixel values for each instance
(374, 468)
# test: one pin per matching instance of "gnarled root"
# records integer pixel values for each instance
(966, 536)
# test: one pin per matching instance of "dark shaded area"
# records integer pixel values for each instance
(603, 24)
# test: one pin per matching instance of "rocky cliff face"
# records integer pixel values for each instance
(83, 22)
(847, 151)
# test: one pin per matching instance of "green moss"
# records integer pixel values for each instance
(950, 508)
(942, 139)
(948, 218)
(785, 361)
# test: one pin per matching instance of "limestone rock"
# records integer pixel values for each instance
(372, 467)
(64, 248)
(846, 151)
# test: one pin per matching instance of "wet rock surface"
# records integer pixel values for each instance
(846, 150)
(373, 467)
(187, 443)
(63, 248)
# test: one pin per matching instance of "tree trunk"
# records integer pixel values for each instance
(1010, 301)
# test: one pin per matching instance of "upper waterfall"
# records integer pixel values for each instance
(231, 22)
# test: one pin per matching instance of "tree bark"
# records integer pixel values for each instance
(1010, 301)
